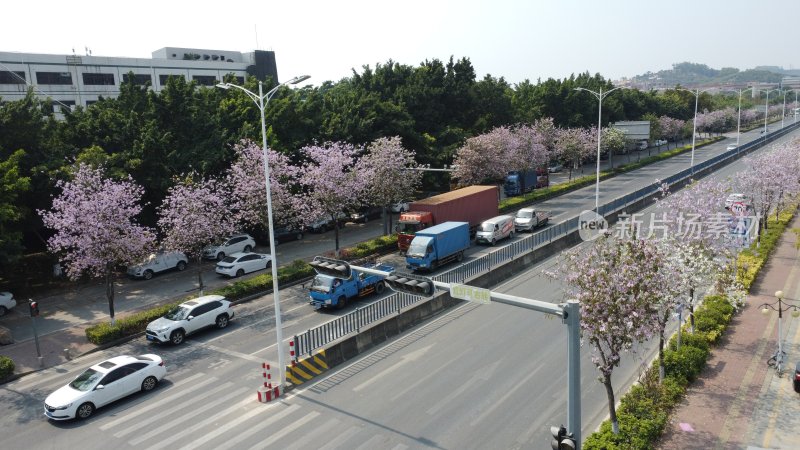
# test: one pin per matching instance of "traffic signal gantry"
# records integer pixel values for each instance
(424, 286)
(561, 439)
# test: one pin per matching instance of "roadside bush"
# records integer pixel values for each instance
(685, 363)
(297, 270)
(104, 333)
(6, 367)
(697, 340)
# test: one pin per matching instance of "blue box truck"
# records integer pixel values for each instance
(438, 245)
(520, 182)
(334, 292)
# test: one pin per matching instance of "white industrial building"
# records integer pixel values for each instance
(71, 80)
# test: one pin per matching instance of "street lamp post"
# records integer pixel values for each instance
(783, 111)
(766, 111)
(765, 307)
(696, 93)
(739, 119)
(262, 100)
(599, 96)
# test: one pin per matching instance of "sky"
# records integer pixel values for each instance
(514, 39)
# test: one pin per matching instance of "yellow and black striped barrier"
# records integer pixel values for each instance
(306, 369)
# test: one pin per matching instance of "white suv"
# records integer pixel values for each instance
(189, 317)
(234, 244)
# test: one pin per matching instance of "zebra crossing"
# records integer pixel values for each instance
(201, 411)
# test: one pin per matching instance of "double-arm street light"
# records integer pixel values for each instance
(781, 308)
(766, 110)
(599, 96)
(262, 100)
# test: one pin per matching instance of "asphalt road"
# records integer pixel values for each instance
(475, 377)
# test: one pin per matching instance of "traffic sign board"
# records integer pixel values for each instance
(470, 293)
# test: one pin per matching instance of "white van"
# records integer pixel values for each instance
(495, 229)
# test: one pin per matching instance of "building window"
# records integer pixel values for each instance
(240, 80)
(163, 78)
(205, 80)
(60, 104)
(98, 79)
(138, 79)
(53, 78)
(7, 77)
(90, 102)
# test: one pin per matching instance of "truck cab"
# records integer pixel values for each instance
(409, 224)
(334, 292)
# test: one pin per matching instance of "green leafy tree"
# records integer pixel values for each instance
(12, 184)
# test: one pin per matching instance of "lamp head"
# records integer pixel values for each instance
(765, 311)
(223, 85)
(795, 313)
(299, 79)
(779, 294)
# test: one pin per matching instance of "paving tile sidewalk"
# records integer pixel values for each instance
(733, 403)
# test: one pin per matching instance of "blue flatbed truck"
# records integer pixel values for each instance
(438, 245)
(335, 292)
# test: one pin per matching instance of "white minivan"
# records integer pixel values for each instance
(495, 229)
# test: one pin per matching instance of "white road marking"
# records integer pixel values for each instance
(126, 417)
(302, 442)
(286, 430)
(411, 356)
(481, 376)
(340, 438)
(207, 437)
(187, 416)
(234, 353)
(373, 442)
(179, 406)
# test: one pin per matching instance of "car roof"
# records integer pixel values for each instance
(202, 300)
(110, 364)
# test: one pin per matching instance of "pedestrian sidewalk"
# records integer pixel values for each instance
(738, 402)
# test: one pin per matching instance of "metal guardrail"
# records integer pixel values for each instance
(353, 322)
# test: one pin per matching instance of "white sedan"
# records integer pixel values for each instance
(6, 302)
(239, 264)
(104, 383)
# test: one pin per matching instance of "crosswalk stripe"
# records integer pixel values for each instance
(179, 406)
(199, 425)
(286, 430)
(376, 441)
(400, 447)
(253, 429)
(126, 417)
(302, 442)
(340, 439)
(211, 434)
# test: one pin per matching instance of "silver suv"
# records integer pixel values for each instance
(189, 317)
(234, 244)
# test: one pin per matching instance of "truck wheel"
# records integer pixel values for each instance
(148, 274)
(341, 303)
(494, 241)
(380, 287)
(460, 256)
(181, 265)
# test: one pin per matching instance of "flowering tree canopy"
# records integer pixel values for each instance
(574, 145)
(246, 182)
(193, 216)
(94, 220)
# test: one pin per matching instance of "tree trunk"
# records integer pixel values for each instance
(691, 310)
(612, 410)
(110, 291)
(336, 233)
(661, 356)
(200, 273)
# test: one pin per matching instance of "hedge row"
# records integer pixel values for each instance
(514, 203)
(6, 367)
(644, 410)
(136, 323)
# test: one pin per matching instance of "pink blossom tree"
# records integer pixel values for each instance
(333, 183)
(194, 215)
(671, 129)
(575, 145)
(94, 219)
(248, 195)
(530, 149)
(488, 156)
(387, 164)
(616, 283)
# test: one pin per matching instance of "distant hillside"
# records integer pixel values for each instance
(687, 74)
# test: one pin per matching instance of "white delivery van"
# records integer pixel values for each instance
(495, 229)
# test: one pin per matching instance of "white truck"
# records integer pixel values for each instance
(158, 262)
(529, 218)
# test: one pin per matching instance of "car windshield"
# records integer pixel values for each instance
(524, 214)
(407, 228)
(176, 313)
(487, 226)
(418, 247)
(229, 259)
(86, 380)
(321, 284)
